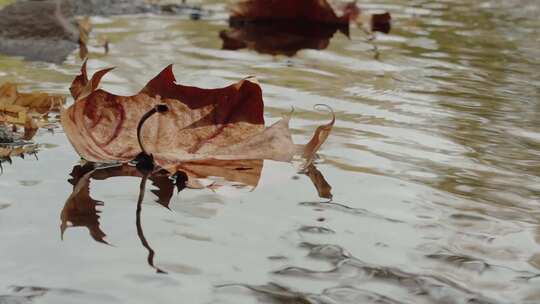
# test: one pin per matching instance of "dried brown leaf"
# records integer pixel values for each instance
(319, 11)
(26, 109)
(205, 132)
(11, 100)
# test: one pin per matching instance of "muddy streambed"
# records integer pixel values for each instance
(434, 165)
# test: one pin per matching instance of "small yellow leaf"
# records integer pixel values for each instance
(13, 102)
(8, 94)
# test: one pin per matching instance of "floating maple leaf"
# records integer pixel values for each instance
(201, 126)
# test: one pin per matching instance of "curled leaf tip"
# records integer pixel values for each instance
(292, 111)
(325, 106)
(319, 137)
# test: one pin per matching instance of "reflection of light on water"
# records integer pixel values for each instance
(433, 165)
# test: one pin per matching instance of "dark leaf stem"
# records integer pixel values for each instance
(145, 160)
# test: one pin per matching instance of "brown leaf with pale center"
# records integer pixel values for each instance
(204, 133)
(201, 124)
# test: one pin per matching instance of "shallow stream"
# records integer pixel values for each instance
(434, 164)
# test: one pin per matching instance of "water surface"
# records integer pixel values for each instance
(434, 164)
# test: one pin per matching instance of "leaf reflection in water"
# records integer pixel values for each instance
(240, 173)
(323, 188)
(80, 209)
(381, 22)
(140, 231)
(280, 37)
(21, 149)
